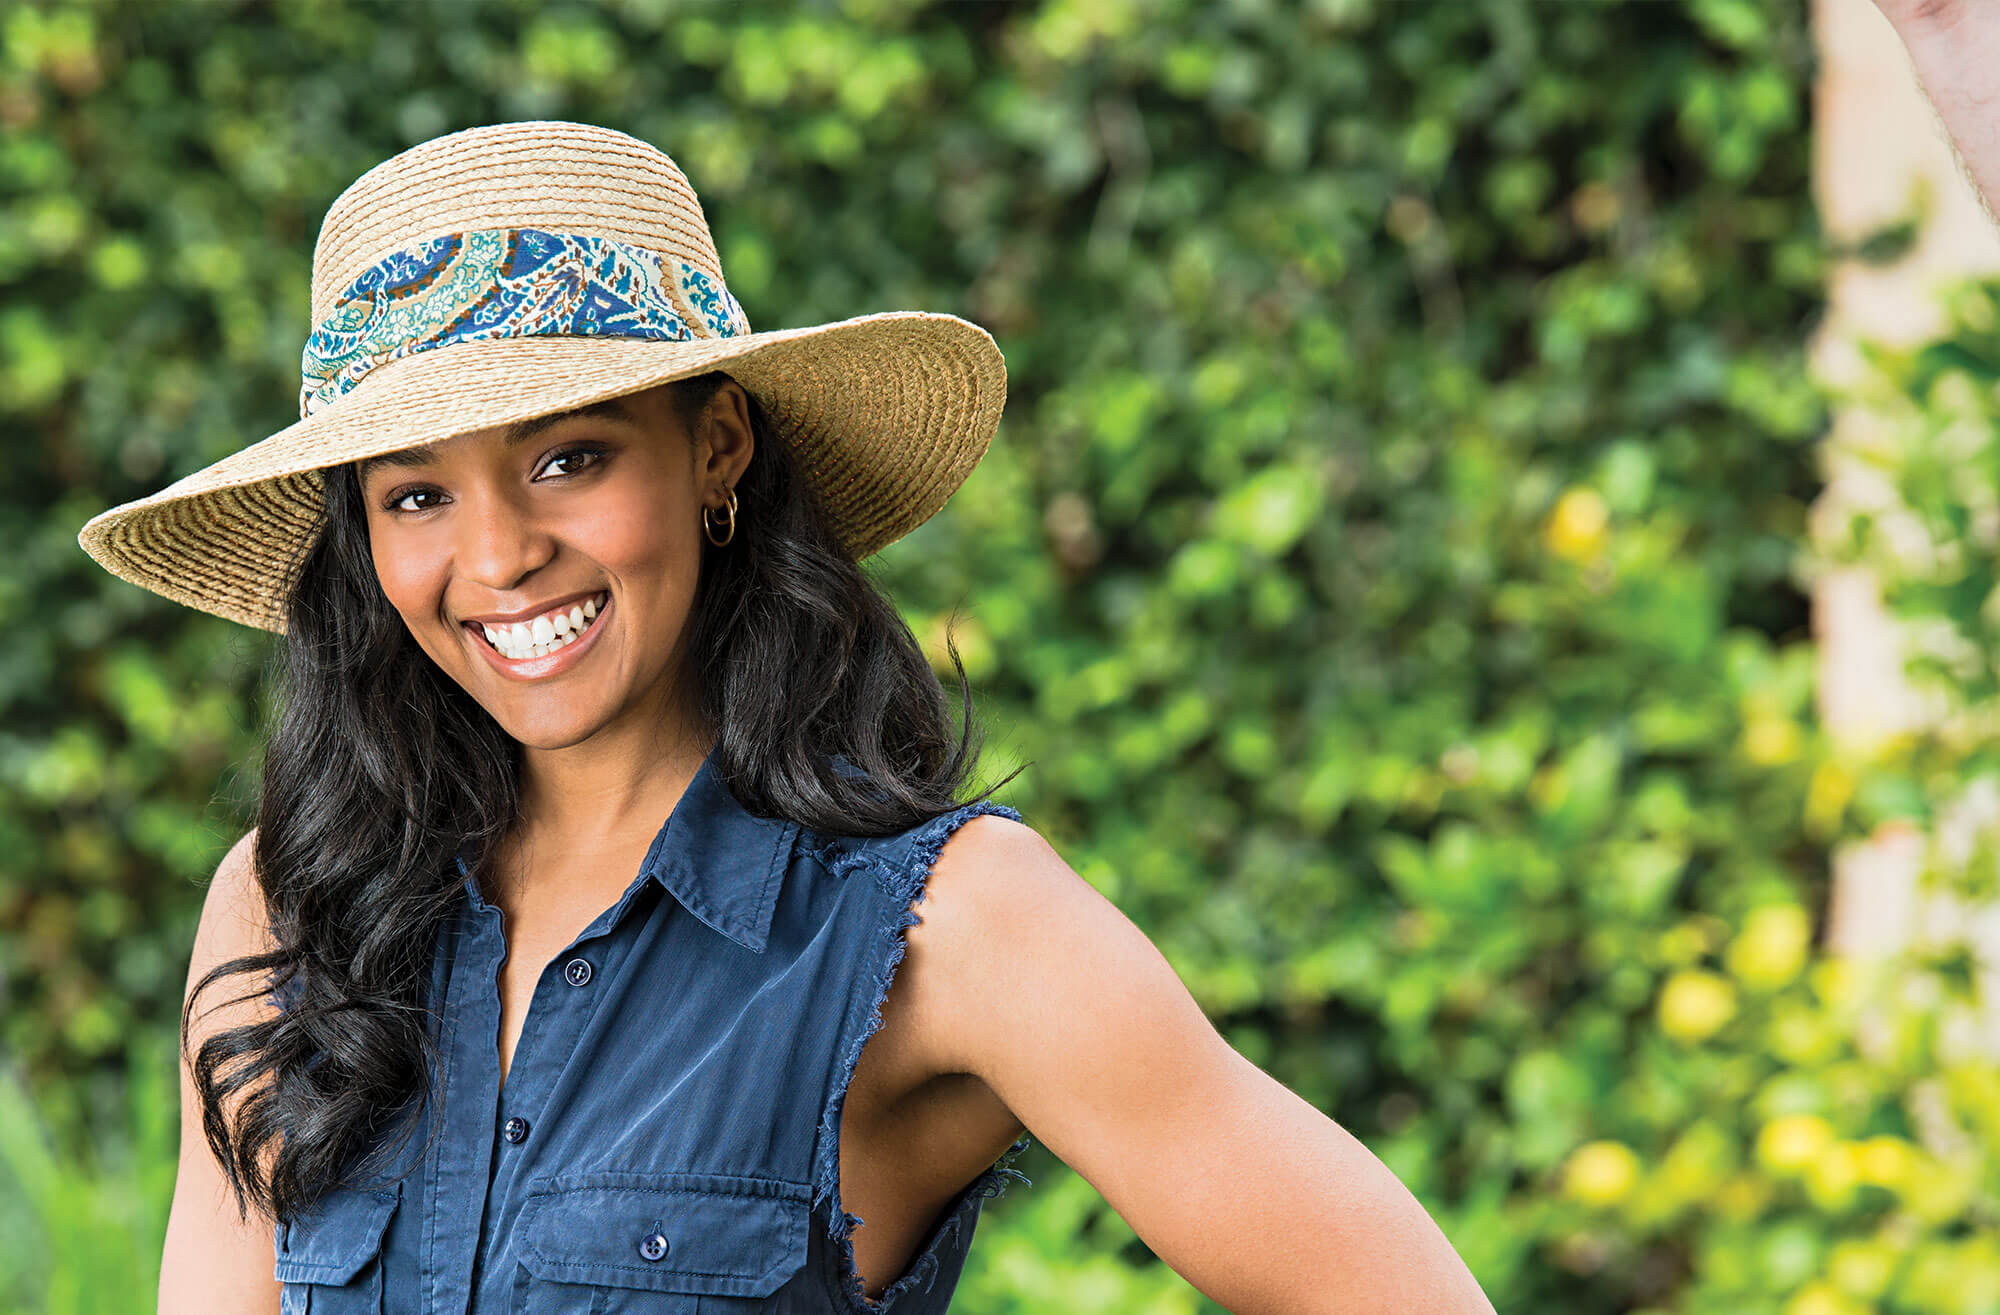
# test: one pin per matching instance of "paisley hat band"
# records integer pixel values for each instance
(508, 283)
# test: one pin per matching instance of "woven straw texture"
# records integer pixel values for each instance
(886, 414)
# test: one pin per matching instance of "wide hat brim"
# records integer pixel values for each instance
(886, 415)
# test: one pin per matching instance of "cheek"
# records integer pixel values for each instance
(411, 577)
(647, 538)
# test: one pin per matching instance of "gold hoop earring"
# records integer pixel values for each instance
(709, 529)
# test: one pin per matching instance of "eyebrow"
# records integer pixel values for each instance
(611, 408)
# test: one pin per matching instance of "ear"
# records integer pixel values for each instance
(723, 439)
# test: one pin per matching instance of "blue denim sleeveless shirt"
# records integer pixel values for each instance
(668, 1138)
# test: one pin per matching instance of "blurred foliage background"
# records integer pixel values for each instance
(1390, 565)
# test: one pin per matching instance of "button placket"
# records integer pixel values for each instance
(577, 972)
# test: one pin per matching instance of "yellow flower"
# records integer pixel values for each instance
(1791, 1142)
(1601, 1173)
(1696, 1004)
(1575, 528)
(1771, 740)
(1885, 1161)
(1771, 948)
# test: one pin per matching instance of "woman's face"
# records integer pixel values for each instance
(549, 567)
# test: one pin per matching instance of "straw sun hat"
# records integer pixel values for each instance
(510, 271)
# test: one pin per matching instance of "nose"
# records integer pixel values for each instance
(498, 544)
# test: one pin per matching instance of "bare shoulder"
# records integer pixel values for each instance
(992, 883)
(237, 871)
(1005, 918)
(992, 857)
(239, 863)
(234, 920)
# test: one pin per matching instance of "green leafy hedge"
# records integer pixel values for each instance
(1388, 561)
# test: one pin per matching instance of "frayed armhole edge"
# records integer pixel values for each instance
(907, 885)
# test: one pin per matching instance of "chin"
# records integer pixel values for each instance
(558, 732)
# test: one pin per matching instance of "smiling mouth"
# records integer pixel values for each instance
(551, 632)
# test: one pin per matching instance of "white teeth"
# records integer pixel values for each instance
(543, 635)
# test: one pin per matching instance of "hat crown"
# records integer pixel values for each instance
(544, 173)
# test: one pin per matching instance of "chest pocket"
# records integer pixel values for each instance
(658, 1243)
(330, 1262)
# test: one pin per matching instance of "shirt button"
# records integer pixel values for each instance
(516, 1129)
(577, 971)
(654, 1247)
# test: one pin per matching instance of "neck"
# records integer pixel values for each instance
(625, 778)
(600, 806)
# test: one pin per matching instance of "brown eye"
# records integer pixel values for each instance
(402, 501)
(573, 461)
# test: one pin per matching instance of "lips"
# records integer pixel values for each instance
(552, 662)
(548, 632)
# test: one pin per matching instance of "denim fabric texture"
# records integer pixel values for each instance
(667, 1141)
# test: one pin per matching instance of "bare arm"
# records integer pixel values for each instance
(1051, 996)
(215, 1263)
(1954, 46)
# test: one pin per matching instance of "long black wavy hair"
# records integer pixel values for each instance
(379, 770)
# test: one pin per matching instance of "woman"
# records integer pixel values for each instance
(561, 549)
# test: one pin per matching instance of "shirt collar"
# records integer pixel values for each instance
(723, 863)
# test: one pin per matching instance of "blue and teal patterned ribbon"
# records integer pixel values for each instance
(507, 283)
